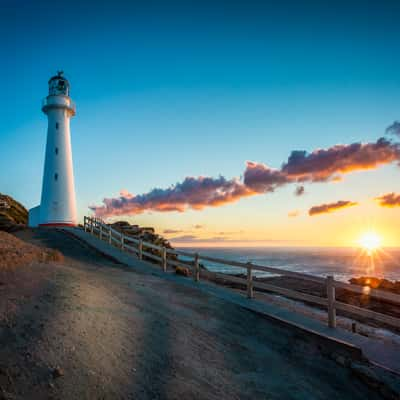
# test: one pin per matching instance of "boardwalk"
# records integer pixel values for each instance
(117, 334)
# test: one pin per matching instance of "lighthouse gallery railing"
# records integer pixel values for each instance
(47, 102)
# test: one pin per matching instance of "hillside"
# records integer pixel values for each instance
(12, 214)
(15, 252)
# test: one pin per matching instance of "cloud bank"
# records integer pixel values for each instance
(330, 207)
(194, 193)
(389, 200)
(321, 165)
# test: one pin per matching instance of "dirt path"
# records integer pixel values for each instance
(113, 333)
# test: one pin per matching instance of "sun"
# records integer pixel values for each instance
(370, 241)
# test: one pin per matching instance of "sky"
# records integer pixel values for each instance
(206, 101)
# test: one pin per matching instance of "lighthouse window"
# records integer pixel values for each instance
(56, 125)
(55, 177)
(56, 150)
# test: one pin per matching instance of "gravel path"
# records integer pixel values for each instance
(92, 329)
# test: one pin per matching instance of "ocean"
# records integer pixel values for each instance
(343, 263)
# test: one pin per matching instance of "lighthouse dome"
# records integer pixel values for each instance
(58, 85)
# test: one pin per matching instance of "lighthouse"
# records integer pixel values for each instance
(58, 205)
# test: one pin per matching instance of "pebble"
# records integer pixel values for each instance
(57, 372)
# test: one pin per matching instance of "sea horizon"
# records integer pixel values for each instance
(342, 262)
(356, 248)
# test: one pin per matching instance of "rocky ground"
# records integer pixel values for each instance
(86, 327)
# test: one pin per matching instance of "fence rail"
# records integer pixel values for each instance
(98, 227)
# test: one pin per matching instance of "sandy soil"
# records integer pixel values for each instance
(88, 328)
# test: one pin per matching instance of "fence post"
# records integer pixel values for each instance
(84, 223)
(140, 249)
(109, 235)
(250, 293)
(101, 232)
(122, 241)
(164, 259)
(196, 274)
(330, 292)
(91, 226)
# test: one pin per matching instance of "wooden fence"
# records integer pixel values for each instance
(140, 248)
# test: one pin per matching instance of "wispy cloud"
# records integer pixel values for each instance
(389, 200)
(193, 239)
(331, 207)
(197, 226)
(394, 129)
(197, 239)
(294, 213)
(172, 231)
(184, 238)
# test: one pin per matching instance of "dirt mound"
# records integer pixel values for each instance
(15, 252)
(13, 215)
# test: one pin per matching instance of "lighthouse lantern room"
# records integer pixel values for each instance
(58, 205)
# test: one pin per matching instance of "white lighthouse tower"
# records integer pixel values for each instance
(58, 206)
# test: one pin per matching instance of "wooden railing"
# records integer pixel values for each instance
(140, 248)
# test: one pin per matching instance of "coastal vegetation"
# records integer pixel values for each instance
(13, 215)
(147, 234)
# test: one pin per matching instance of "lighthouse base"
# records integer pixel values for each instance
(34, 217)
(34, 220)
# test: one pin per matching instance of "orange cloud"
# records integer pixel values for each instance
(389, 200)
(331, 207)
(294, 213)
(322, 165)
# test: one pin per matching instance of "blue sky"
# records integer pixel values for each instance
(170, 89)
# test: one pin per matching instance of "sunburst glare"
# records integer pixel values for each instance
(370, 242)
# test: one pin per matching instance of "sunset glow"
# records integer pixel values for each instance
(370, 241)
